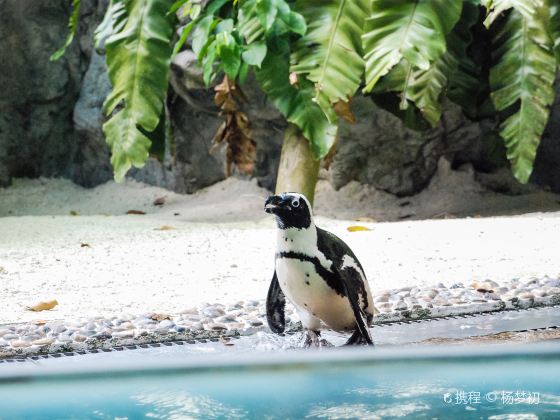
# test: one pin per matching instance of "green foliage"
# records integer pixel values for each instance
(72, 27)
(413, 30)
(555, 27)
(311, 56)
(296, 103)
(113, 22)
(522, 81)
(425, 87)
(268, 18)
(138, 58)
(330, 53)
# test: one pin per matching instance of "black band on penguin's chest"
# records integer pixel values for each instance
(332, 279)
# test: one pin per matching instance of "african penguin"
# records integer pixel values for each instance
(318, 273)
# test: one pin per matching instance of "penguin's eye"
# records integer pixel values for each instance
(295, 203)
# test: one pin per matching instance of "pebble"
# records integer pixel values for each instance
(43, 341)
(59, 328)
(213, 312)
(20, 343)
(10, 336)
(380, 299)
(65, 338)
(552, 283)
(124, 334)
(430, 294)
(400, 306)
(215, 327)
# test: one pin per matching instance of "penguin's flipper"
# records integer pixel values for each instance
(275, 303)
(352, 295)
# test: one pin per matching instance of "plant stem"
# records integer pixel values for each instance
(298, 170)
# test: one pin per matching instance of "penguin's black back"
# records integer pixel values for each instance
(334, 248)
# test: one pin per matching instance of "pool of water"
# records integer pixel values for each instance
(417, 382)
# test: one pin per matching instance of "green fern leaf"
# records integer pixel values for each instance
(414, 30)
(330, 53)
(555, 28)
(522, 85)
(112, 23)
(72, 27)
(296, 104)
(138, 59)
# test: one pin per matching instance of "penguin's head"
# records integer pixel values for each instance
(292, 210)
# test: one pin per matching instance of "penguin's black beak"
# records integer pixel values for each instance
(272, 203)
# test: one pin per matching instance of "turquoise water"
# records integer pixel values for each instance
(449, 386)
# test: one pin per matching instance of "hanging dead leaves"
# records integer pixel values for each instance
(235, 131)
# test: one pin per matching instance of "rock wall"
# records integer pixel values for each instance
(50, 120)
(37, 97)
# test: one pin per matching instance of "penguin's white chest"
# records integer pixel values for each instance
(313, 298)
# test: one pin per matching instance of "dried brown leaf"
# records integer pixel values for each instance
(85, 245)
(293, 79)
(343, 110)
(235, 131)
(140, 212)
(160, 317)
(165, 227)
(43, 306)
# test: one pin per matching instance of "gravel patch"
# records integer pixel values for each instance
(221, 322)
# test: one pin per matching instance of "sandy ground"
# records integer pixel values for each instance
(60, 241)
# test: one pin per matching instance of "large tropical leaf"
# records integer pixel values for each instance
(411, 29)
(296, 104)
(522, 84)
(330, 53)
(72, 27)
(496, 8)
(112, 23)
(555, 27)
(258, 18)
(138, 59)
(426, 88)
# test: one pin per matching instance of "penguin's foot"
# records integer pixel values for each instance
(357, 339)
(312, 339)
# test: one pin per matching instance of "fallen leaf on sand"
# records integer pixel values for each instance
(40, 322)
(165, 227)
(43, 306)
(160, 317)
(135, 212)
(160, 201)
(365, 219)
(74, 213)
(85, 245)
(357, 228)
(482, 287)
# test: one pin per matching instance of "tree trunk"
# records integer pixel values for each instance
(298, 170)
